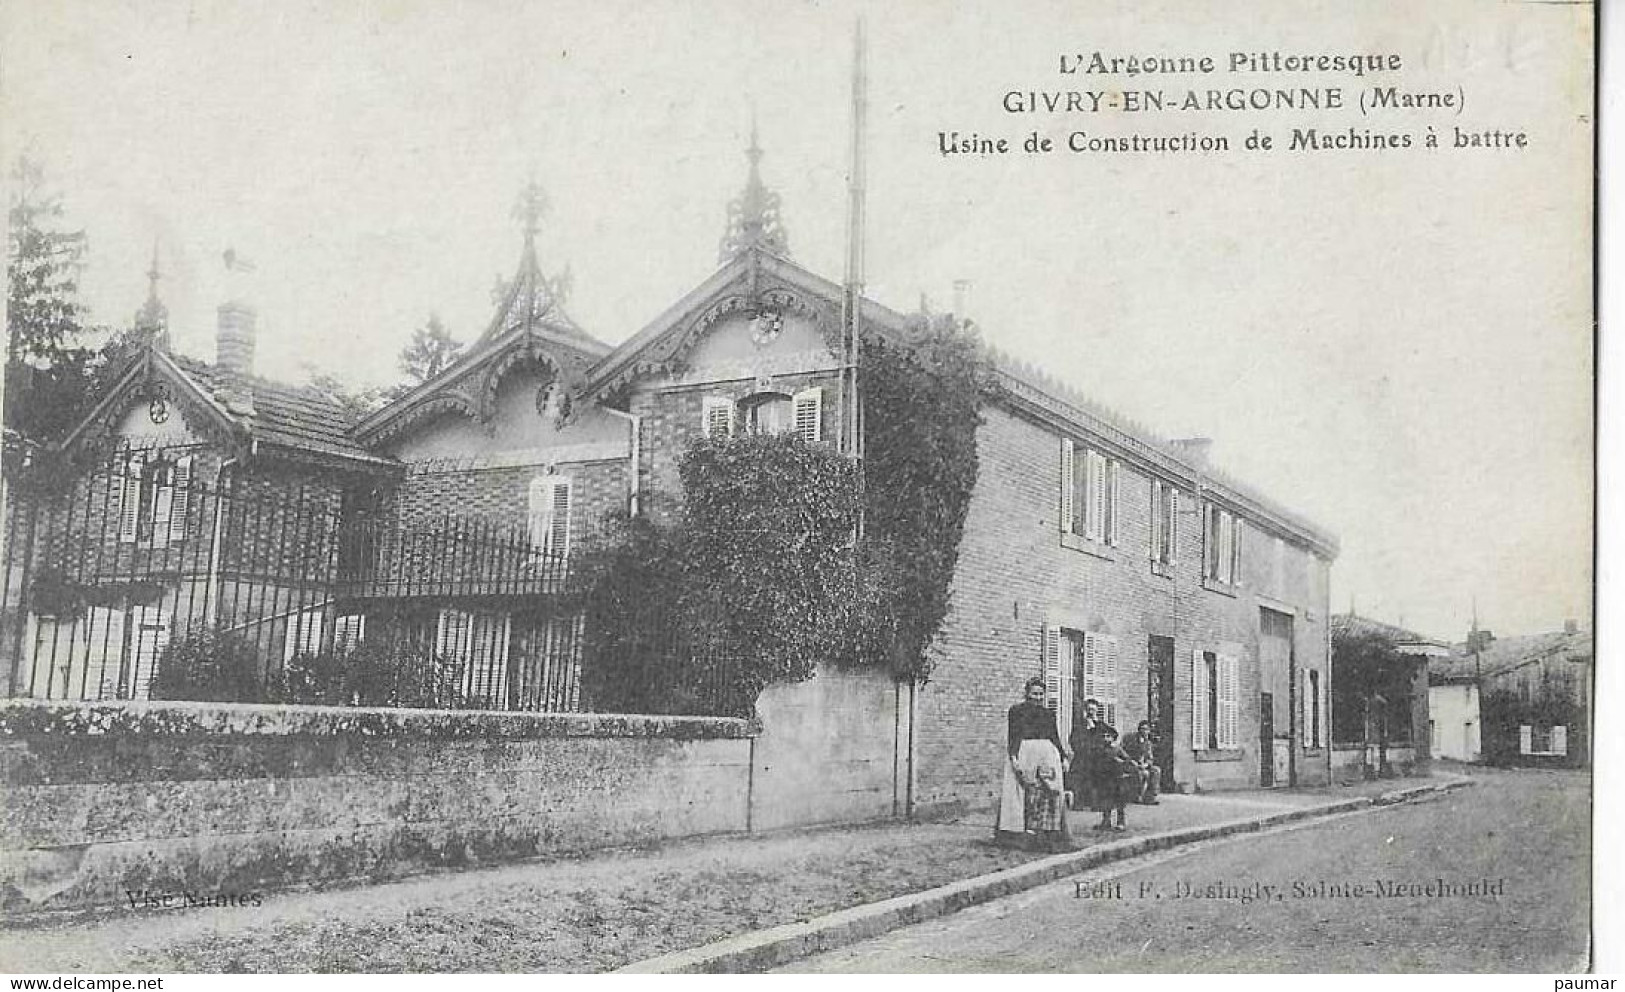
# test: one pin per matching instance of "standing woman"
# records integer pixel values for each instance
(1030, 803)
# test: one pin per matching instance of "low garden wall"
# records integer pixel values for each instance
(113, 805)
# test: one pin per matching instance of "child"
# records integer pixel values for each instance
(1116, 779)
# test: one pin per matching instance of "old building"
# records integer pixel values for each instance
(1117, 564)
(1380, 696)
(1534, 692)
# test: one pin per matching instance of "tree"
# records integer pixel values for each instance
(431, 351)
(48, 368)
(358, 403)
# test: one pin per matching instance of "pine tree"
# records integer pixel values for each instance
(48, 367)
(431, 351)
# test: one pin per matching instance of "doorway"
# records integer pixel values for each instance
(1266, 739)
(1159, 704)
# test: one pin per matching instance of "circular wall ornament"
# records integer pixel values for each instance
(158, 410)
(765, 327)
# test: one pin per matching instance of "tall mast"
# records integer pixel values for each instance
(852, 440)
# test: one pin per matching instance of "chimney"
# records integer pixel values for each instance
(1571, 626)
(234, 334)
(1194, 450)
(1479, 640)
(961, 299)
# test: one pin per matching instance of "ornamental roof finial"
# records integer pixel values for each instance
(753, 216)
(152, 320)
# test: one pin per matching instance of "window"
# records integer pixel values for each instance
(149, 498)
(1164, 522)
(1221, 542)
(478, 644)
(1079, 665)
(717, 417)
(1312, 729)
(549, 514)
(349, 631)
(1089, 493)
(304, 635)
(767, 413)
(1543, 740)
(1215, 693)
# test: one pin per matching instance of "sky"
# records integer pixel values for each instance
(1396, 345)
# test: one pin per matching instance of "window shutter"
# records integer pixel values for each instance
(1325, 714)
(451, 635)
(1198, 701)
(1066, 485)
(348, 631)
(130, 501)
(1052, 667)
(163, 501)
(304, 635)
(809, 414)
(104, 652)
(1560, 740)
(1158, 496)
(1173, 523)
(1112, 472)
(182, 499)
(718, 417)
(1094, 517)
(558, 530)
(1235, 548)
(1227, 546)
(1109, 676)
(150, 632)
(1228, 701)
(1091, 666)
(1305, 721)
(1525, 739)
(485, 680)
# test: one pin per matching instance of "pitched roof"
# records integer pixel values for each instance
(1509, 653)
(651, 348)
(1408, 641)
(302, 418)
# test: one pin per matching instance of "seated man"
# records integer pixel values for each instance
(1142, 749)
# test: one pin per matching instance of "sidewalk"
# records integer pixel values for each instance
(601, 911)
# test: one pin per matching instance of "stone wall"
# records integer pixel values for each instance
(107, 799)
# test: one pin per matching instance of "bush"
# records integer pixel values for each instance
(210, 666)
(373, 673)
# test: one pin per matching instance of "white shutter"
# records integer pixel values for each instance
(304, 635)
(181, 500)
(718, 417)
(149, 632)
(163, 502)
(1094, 515)
(1113, 470)
(1525, 739)
(1560, 740)
(809, 414)
(1173, 524)
(1199, 691)
(1067, 495)
(485, 680)
(1108, 677)
(1235, 549)
(538, 506)
(129, 513)
(1325, 714)
(1305, 721)
(1052, 666)
(104, 652)
(1229, 699)
(1226, 543)
(1159, 497)
(1091, 666)
(348, 631)
(451, 635)
(549, 513)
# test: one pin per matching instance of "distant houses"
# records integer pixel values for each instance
(1380, 699)
(1518, 700)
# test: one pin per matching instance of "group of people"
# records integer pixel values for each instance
(1092, 768)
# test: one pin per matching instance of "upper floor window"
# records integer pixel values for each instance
(149, 498)
(1164, 522)
(1221, 541)
(549, 513)
(1089, 488)
(766, 413)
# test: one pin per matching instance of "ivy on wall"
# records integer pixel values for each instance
(763, 575)
(922, 401)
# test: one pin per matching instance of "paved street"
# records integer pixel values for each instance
(1524, 835)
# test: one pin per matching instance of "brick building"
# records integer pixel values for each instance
(1114, 563)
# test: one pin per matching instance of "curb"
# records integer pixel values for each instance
(764, 949)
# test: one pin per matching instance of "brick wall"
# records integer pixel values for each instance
(1015, 574)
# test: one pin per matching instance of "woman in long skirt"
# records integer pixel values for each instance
(1031, 804)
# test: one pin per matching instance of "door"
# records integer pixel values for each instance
(1266, 739)
(1159, 704)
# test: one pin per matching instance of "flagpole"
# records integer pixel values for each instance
(852, 332)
